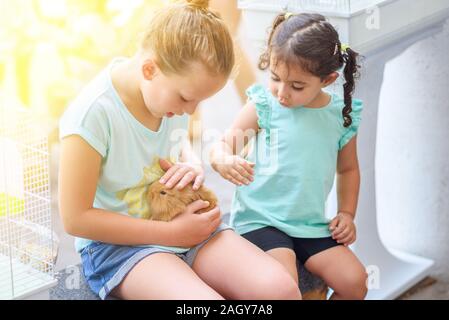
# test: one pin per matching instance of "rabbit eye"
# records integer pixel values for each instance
(163, 193)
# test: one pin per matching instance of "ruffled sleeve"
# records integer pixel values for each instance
(351, 131)
(258, 94)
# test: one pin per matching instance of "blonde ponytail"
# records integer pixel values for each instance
(187, 31)
(201, 4)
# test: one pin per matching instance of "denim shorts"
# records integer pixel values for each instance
(106, 265)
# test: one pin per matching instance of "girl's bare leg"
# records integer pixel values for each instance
(237, 269)
(342, 271)
(287, 258)
(163, 276)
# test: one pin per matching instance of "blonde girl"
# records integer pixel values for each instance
(113, 135)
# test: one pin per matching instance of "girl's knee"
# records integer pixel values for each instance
(288, 289)
(362, 286)
(355, 287)
(278, 286)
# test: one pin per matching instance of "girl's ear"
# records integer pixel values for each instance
(330, 79)
(149, 68)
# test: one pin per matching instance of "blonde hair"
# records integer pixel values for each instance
(188, 31)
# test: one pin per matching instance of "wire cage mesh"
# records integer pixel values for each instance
(28, 246)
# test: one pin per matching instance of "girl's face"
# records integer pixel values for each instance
(169, 95)
(293, 86)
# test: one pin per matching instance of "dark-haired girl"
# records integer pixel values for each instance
(303, 137)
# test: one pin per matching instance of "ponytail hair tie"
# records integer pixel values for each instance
(344, 48)
(288, 15)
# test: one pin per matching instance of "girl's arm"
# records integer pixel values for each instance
(242, 130)
(348, 181)
(348, 178)
(224, 156)
(78, 175)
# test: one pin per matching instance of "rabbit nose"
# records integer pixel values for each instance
(163, 192)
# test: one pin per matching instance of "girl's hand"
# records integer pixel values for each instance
(190, 229)
(235, 169)
(343, 228)
(181, 174)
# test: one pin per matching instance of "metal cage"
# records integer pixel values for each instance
(28, 246)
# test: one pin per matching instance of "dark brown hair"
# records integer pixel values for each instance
(311, 42)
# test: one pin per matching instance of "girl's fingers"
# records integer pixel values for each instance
(244, 173)
(340, 228)
(343, 234)
(232, 180)
(249, 167)
(346, 241)
(169, 174)
(237, 176)
(188, 177)
(216, 223)
(178, 175)
(249, 163)
(341, 225)
(334, 223)
(235, 182)
(198, 181)
(337, 233)
(213, 214)
(197, 205)
(165, 164)
(214, 218)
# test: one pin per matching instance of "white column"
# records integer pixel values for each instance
(390, 274)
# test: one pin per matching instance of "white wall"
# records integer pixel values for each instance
(412, 159)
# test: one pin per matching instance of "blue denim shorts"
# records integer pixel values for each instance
(106, 265)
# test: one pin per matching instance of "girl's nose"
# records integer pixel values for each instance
(283, 92)
(283, 100)
(283, 95)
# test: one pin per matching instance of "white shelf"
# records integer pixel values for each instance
(404, 271)
(393, 19)
(328, 7)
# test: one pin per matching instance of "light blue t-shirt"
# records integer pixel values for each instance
(295, 153)
(129, 150)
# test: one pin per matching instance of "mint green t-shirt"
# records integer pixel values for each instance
(295, 153)
(129, 150)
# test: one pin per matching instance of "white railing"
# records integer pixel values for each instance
(329, 7)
